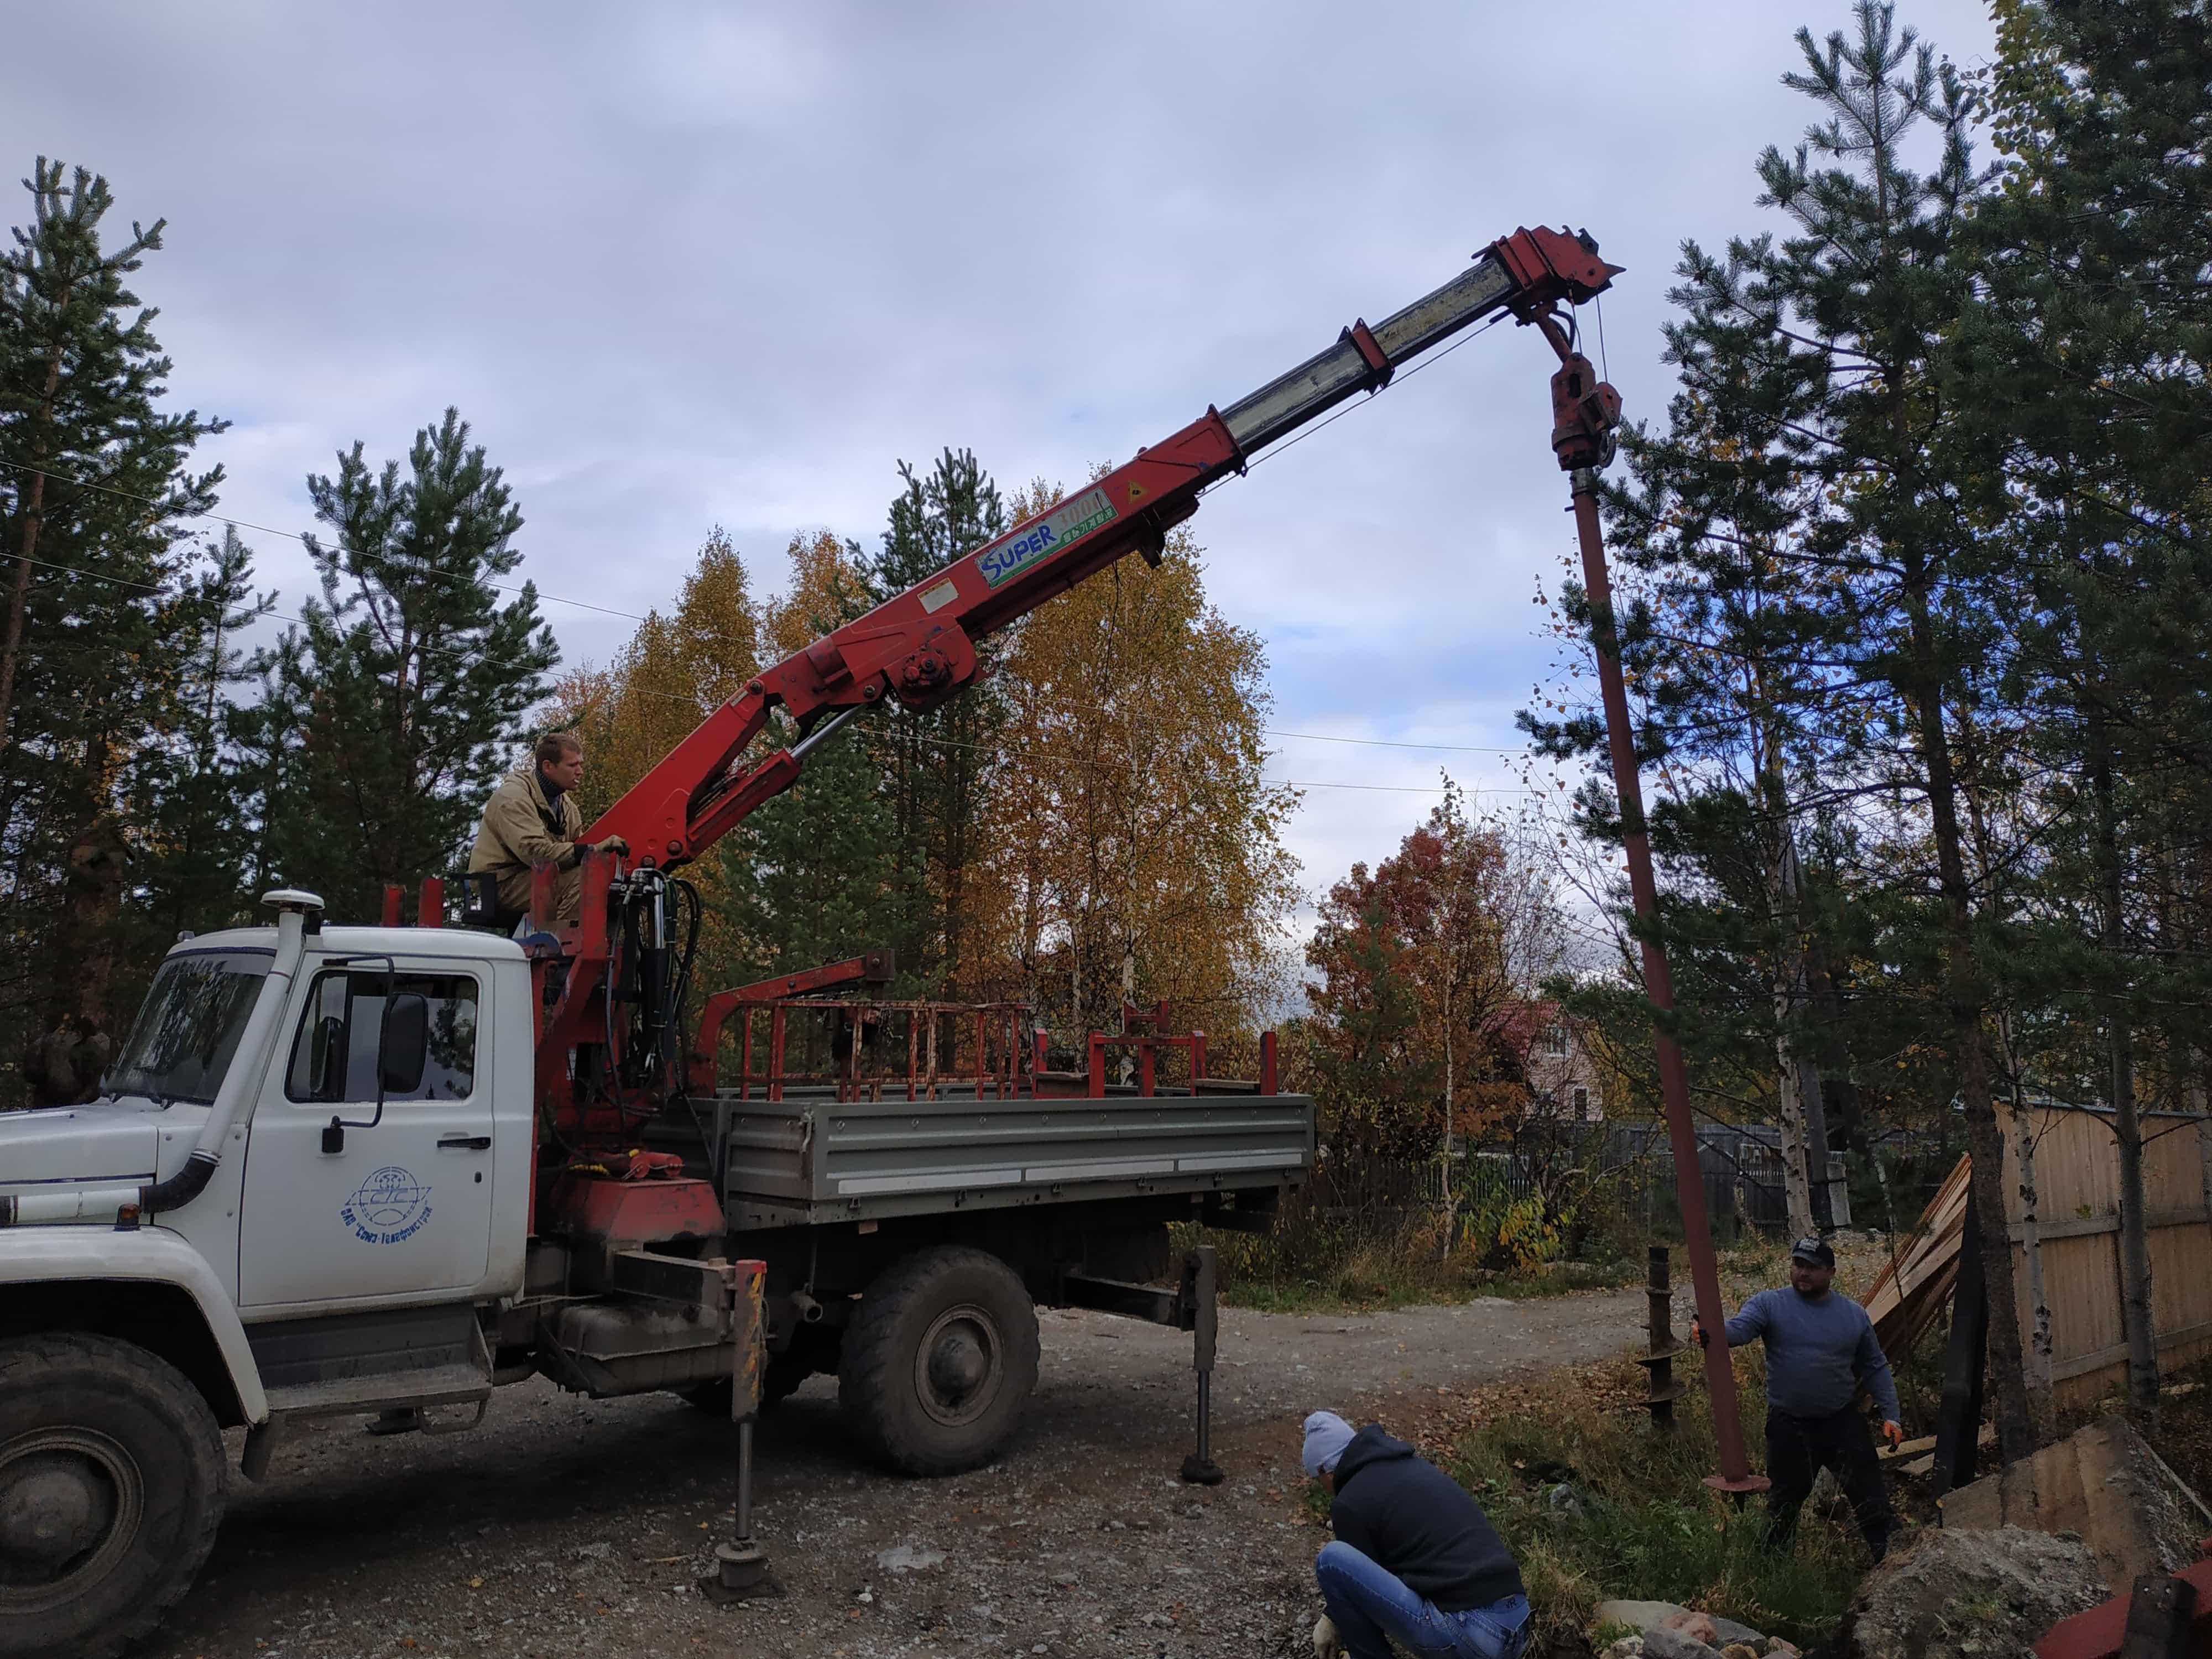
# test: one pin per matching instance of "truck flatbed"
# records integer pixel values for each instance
(811, 1158)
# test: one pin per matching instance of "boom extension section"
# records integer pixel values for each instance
(918, 649)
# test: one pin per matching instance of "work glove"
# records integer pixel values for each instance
(1326, 1645)
(1894, 1433)
(1697, 1331)
(613, 844)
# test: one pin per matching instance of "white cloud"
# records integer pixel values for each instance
(684, 263)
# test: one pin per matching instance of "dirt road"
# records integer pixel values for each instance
(569, 1527)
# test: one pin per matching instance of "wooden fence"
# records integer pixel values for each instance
(2071, 1243)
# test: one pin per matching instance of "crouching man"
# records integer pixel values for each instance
(1414, 1562)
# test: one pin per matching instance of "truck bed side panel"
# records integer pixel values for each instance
(807, 1160)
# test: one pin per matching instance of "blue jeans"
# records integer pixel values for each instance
(1372, 1608)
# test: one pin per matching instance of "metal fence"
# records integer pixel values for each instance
(1619, 1179)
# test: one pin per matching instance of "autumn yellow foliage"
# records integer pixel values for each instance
(1124, 836)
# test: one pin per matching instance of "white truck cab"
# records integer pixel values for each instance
(303, 1121)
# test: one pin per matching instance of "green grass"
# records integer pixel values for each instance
(1648, 1527)
(1276, 1273)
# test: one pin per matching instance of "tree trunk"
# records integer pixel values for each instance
(33, 519)
(2137, 1322)
(1128, 1000)
(1810, 1100)
(66, 1063)
(1444, 1154)
(1789, 975)
(2204, 1130)
(1796, 1191)
(1963, 1004)
(2041, 1405)
(2137, 1318)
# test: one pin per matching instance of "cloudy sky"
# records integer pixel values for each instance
(684, 265)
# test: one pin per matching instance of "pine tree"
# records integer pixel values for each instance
(1831, 342)
(809, 876)
(937, 765)
(1729, 647)
(103, 613)
(195, 865)
(394, 709)
(2080, 371)
(1858, 298)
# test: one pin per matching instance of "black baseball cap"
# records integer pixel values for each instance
(1813, 1251)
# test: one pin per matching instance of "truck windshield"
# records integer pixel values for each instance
(189, 1028)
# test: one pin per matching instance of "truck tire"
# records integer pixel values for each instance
(940, 1360)
(111, 1486)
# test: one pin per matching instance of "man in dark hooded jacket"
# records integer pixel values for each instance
(1415, 1561)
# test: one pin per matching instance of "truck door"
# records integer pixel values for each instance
(386, 1205)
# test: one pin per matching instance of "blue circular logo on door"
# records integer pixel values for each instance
(389, 1206)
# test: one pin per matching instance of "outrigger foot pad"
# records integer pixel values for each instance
(1201, 1471)
(741, 1574)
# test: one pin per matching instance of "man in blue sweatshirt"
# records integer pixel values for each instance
(1414, 1560)
(1820, 1352)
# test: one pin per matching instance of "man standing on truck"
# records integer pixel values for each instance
(1820, 1352)
(532, 818)
(1414, 1559)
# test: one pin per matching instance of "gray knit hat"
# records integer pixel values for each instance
(1327, 1436)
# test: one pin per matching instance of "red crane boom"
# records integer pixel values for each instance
(918, 649)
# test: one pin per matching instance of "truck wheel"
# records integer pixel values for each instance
(938, 1361)
(110, 1490)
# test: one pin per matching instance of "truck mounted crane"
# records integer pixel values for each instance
(352, 1170)
(918, 650)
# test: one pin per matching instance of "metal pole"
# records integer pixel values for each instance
(828, 729)
(745, 1479)
(741, 1569)
(1659, 1294)
(1735, 1474)
(1201, 1276)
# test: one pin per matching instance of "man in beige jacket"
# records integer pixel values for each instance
(532, 818)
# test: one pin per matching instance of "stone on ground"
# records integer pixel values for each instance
(1954, 1595)
(1702, 1630)
(1640, 1615)
(1697, 1626)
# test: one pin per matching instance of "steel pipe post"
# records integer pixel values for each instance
(1201, 1280)
(741, 1569)
(1736, 1475)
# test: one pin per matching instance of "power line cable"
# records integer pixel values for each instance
(692, 704)
(1396, 380)
(1391, 743)
(304, 538)
(631, 616)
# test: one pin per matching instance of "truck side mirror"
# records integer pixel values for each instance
(404, 1045)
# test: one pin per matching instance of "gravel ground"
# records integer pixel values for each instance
(564, 1525)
